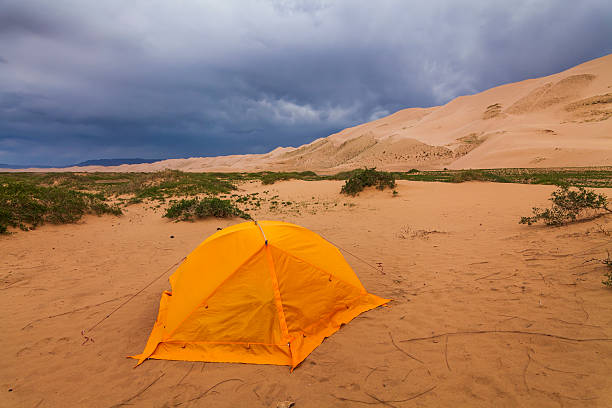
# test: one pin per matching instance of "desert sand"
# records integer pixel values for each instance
(561, 120)
(484, 312)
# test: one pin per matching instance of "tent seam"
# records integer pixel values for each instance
(334, 311)
(361, 289)
(277, 297)
(212, 293)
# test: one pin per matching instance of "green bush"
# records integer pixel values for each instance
(362, 178)
(26, 206)
(190, 209)
(568, 203)
(271, 177)
(608, 275)
(462, 176)
(142, 186)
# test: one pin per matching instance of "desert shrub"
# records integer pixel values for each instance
(608, 275)
(583, 177)
(462, 176)
(190, 209)
(363, 178)
(272, 177)
(142, 186)
(27, 206)
(171, 183)
(343, 175)
(467, 175)
(568, 203)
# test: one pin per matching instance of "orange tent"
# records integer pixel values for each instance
(263, 292)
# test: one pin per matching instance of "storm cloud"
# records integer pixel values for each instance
(156, 79)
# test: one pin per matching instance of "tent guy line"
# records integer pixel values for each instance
(85, 332)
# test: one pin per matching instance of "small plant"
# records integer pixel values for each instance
(363, 178)
(608, 275)
(190, 209)
(406, 232)
(568, 203)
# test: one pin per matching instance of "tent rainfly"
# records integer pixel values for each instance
(263, 292)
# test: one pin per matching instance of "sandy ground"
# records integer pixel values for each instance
(452, 257)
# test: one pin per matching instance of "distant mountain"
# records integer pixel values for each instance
(113, 162)
(98, 162)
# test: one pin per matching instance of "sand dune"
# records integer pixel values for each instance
(451, 256)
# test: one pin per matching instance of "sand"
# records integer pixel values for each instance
(559, 120)
(492, 307)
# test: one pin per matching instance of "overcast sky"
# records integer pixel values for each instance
(88, 79)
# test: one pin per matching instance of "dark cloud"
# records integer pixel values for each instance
(83, 80)
(16, 19)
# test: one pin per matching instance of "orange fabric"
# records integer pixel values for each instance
(236, 299)
(277, 297)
